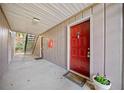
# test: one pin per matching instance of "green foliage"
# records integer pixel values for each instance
(19, 46)
(101, 79)
(20, 42)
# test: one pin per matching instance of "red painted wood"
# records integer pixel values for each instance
(79, 62)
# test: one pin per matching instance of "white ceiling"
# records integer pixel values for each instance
(50, 14)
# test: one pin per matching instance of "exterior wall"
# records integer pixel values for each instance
(4, 29)
(37, 48)
(113, 65)
(107, 41)
(57, 54)
(98, 38)
(11, 45)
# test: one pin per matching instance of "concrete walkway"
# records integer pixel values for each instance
(25, 73)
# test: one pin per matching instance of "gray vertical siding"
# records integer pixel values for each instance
(98, 36)
(107, 55)
(57, 54)
(3, 43)
(113, 65)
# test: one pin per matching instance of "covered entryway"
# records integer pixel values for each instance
(89, 47)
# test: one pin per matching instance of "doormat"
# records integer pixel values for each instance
(75, 78)
(38, 58)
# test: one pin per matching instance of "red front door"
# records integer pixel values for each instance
(80, 48)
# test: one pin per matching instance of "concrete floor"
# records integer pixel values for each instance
(25, 73)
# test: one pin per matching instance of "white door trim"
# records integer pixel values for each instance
(91, 44)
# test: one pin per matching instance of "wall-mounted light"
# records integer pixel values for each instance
(35, 20)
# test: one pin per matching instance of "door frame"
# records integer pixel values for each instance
(91, 45)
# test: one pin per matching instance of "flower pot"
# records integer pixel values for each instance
(99, 86)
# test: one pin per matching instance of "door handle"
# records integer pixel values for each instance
(88, 53)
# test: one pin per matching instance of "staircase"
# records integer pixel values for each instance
(29, 43)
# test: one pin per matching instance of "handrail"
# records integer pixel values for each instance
(26, 40)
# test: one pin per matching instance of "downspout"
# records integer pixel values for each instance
(104, 38)
(122, 47)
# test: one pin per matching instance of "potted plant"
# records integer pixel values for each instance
(101, 82)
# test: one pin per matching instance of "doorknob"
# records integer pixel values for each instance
(88, 55)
